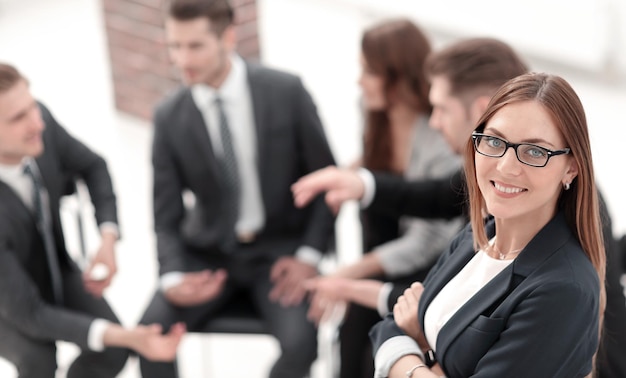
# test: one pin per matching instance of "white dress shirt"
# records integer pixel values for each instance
(237, 103)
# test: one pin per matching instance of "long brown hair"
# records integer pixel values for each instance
(580, 202)
(395, 50)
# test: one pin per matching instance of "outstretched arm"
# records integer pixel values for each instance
(146, 340)
(435, 198)
(340, 185)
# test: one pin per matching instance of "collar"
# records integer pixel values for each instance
(231, 90)
(12, 171)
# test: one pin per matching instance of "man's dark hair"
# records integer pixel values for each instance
(9, 76)
(477, 65)
(219, 12)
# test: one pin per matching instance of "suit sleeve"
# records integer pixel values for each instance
(389, 342)
(437, 198)
(78, 161)
(316, 154)
(167, 201)
(610, 360)
(22, 307)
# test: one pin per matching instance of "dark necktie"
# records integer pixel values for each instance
(230, 173)
(44, 224)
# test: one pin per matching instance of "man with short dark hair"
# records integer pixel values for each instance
(44, 297)
(234, 137)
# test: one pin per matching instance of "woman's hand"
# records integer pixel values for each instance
(405, 314)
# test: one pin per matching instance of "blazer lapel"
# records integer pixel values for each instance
(481, 301)
(11, 197)
(451, 268)
(261, 120)
(191, 119)
(541, 247)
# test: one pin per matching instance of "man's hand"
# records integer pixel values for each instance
(106, 257)
(153, 345)
(405, 314)
(331, 287)
(325, 292)
(322, 310)
(288, 275)
(340, 185)
(197, 287)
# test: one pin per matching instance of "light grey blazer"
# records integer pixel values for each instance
(422, 240)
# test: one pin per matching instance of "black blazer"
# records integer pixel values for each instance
(290, 143)
(437, 198)
(537, 318)
(25, 288)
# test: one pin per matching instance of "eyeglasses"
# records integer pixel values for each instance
(529, 154)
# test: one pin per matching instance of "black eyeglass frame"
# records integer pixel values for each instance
(549, 153)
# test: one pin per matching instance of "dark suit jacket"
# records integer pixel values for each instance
(25, 288)
(290, 143)
(537, 318)
(437, 198)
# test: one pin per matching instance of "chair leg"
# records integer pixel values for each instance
(328, 341)
(195, 353)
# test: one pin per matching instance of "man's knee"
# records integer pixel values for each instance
(300, 347)
(157, 310)
(35, 361)
(115, 358)
(107, 363)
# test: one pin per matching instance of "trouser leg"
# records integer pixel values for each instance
(32, 358)
(91, 364)
(296, 335)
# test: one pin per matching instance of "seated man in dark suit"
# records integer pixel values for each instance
(44, 297)
(235, 137)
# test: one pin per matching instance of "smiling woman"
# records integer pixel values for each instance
(505, 297)
(521, 194)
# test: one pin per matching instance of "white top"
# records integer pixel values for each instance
(421, 241)
(481, 269)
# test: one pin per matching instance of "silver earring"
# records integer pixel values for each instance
(566, 186)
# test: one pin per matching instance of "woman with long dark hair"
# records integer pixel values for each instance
(520, 291)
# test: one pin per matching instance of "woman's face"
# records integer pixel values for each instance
(372, 88)
(514, 190)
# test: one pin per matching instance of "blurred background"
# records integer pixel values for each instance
(101, 67)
